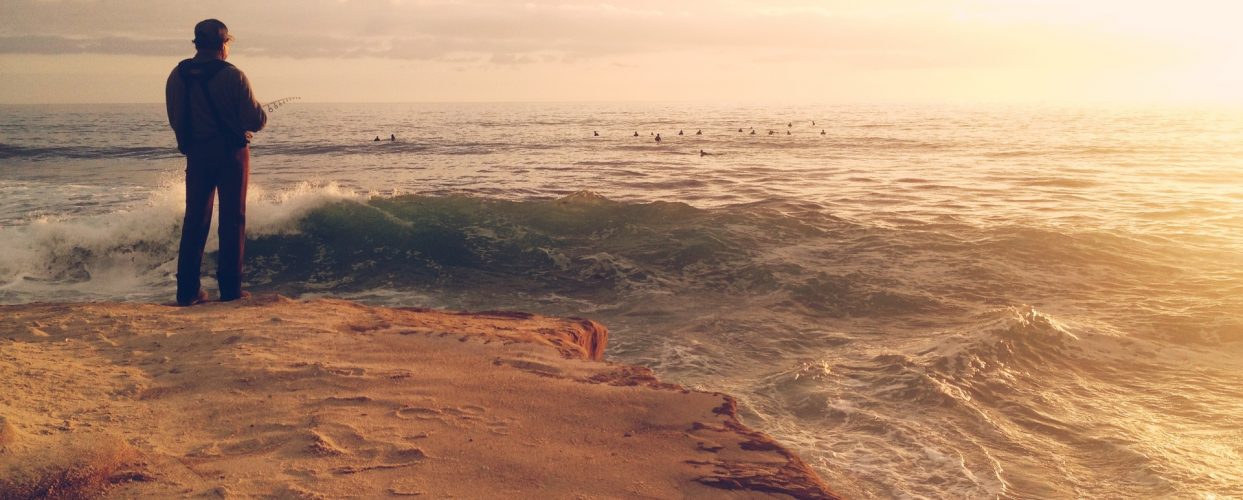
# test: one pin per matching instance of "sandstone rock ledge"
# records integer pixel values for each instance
(273, 397)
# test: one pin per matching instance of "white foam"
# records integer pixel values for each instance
(60, 249)
(133, 251)
(278, 212)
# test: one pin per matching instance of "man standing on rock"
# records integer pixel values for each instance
(214, 114)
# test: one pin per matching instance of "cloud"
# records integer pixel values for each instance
(880, 34)
(54, 44)
(423, 30)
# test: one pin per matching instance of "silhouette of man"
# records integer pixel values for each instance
(214, 113)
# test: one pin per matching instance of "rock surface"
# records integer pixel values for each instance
(325, 398)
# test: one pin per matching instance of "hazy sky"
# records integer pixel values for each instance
(848, 51)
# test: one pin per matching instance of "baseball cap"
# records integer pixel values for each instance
(211, 33)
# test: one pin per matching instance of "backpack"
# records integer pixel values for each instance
(192, 72)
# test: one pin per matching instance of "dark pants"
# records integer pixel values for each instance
(212, 168)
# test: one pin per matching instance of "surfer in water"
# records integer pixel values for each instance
(377, 139)
(392, 137)
(657, 138)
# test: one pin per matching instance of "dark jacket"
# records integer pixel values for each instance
(235, 102)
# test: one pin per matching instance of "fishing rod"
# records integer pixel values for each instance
(275, 105)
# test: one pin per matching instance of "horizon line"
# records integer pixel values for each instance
(946, 103)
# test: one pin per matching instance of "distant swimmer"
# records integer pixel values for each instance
(636, 133)
(770, 132)
(679, 131)
(595, 133)
(791, 124)
(657, 138)
(752, 131)
(377, 139)
(813, 123)
(392, 137)
(788, 132)
(699, 132)
(702, 153)
(821, 131)
(739, 130)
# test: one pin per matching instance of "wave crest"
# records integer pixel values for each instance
(131, 253)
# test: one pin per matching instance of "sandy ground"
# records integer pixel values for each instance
(271, 397)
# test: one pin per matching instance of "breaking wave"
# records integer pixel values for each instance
(972, 393)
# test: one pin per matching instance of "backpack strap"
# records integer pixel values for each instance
(185, 126)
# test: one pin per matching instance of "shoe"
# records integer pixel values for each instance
(231, 298)
(198, 299)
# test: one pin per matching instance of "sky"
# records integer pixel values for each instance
(825, 51)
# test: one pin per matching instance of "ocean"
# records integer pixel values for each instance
(923, 302)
